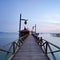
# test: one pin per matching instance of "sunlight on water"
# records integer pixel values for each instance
(50, 38)
(54, 40)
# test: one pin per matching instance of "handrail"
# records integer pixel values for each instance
(8, 43)
(45, 45)
(52, 44)
(15, 45)
(3, 46)
(5, 50)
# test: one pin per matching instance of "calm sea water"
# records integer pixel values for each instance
(54, 40)
(6, 38)
(9, 37)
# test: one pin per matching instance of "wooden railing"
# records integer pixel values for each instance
(13, 47)
(45, 45)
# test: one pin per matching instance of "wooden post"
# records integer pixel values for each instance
(13, 47)
(46, 47)
(35, 28)
(41, 41)
(19, 42)
(52, 52)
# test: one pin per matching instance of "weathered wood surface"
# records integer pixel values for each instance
(30, 51)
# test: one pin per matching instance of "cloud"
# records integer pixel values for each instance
(50, 19)
(48, 28)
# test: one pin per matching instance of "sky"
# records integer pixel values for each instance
(44, 13)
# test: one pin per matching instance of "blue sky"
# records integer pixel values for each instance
(44, 13)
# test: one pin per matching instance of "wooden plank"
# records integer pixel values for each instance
(30, 51)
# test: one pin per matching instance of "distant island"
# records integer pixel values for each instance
(55, 34)
(8, 32)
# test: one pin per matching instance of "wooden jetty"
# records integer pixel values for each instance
(30, 51)
(29, 47)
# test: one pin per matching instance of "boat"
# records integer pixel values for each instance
(24, 32)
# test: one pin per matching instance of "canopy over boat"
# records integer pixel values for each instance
(24, 31)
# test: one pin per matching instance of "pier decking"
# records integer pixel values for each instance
(30, 51)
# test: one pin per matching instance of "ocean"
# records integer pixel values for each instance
(6, 38)
(9, 37)
(54, 40)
